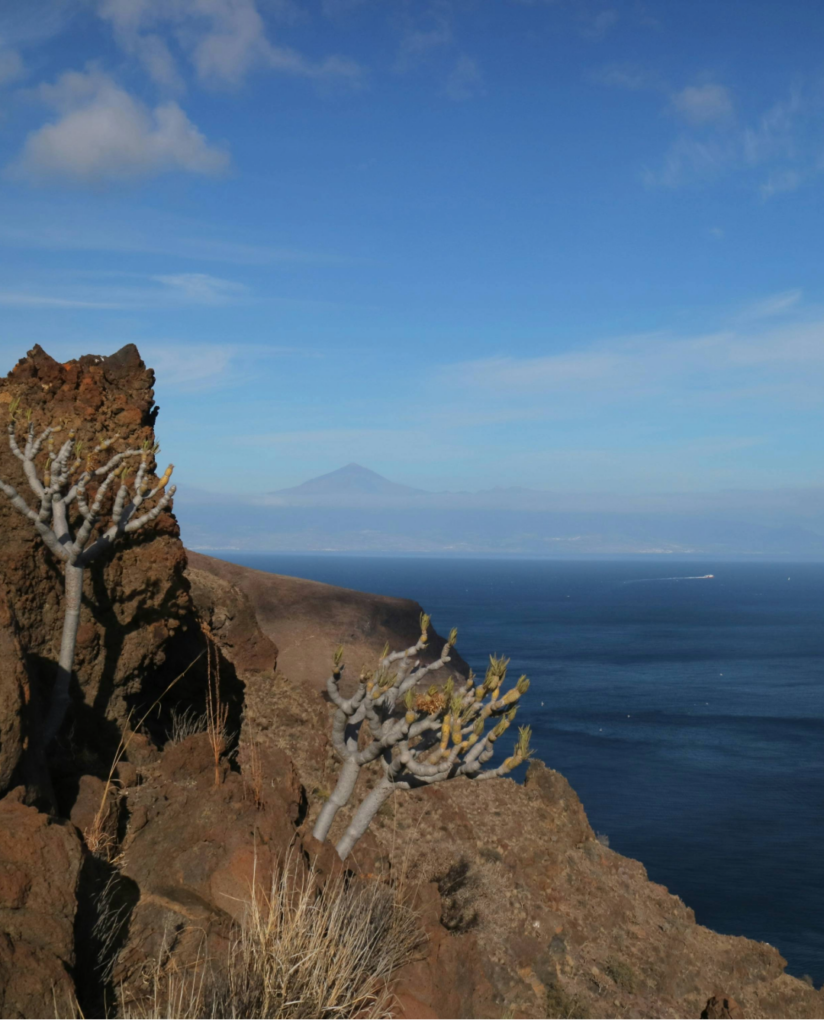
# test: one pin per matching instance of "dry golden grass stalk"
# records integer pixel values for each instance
(301, 952)
(217, 713)
(255, 769)
(97, 841)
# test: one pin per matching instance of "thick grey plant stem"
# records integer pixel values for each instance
(365, 814)
(71, 622)
(50, 517)
(340, 795)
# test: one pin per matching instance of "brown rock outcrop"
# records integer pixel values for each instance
(721, 1008)
(195, 851)
(39, 871)
(134, 602)
(15, 694)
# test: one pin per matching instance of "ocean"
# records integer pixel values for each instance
(687, 712)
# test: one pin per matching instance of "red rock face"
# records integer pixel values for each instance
(133, 603)
(39, 871)
(15, 697)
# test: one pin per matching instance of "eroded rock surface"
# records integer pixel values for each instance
(39, 871)
(15, 694)
(133, 603)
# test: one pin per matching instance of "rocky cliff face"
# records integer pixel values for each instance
(135, 602)
(526, 913)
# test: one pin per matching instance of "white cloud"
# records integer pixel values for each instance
(779, 365)
(201, 289)
(769, 307)
(781, 182)
(689, 159)
(786, 137)
(61, 223)
(223, 39)
(104, 133)
(775, 134)
(35, 300)
(95, 290)
(465, 80)
(701, 104)
(418, 44)
(189, 367)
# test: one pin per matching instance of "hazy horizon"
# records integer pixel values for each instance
(353, 510)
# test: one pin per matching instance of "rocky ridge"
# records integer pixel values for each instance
(525, 912)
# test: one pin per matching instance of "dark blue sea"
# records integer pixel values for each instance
(688, 713)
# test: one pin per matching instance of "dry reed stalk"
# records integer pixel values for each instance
(255, 770)
(95, 837)
(217, 713)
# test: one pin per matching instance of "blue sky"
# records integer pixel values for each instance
(572, 245)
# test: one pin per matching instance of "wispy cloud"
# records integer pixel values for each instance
(200, 288)
(700, 104)
(420, 40)
(35, 300)
(191, 368)
(781, 364)
(781, 182)
(465, 81)
(770, 307)
(223, 40)
(782, 143)
(117, 292)
(103, 133)
(140, 230)
(633, 77)
(596, 25)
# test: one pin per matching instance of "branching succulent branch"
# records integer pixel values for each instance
(67, 478)
(420, 737)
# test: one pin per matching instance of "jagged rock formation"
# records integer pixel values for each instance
(526, 913)
(135, 603)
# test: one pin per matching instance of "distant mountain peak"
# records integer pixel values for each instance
(352, 479)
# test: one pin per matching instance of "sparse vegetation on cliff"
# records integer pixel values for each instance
(419, 738)
(302, 950)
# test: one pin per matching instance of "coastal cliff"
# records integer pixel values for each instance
(526, 913)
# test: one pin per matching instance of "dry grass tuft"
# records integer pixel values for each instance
(301, 952)
(185, 724)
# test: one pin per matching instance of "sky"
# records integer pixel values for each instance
(563, 244)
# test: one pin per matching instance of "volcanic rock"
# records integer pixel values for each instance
(39, 872)
(133, 603)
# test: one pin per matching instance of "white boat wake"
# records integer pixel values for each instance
(666, 579)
